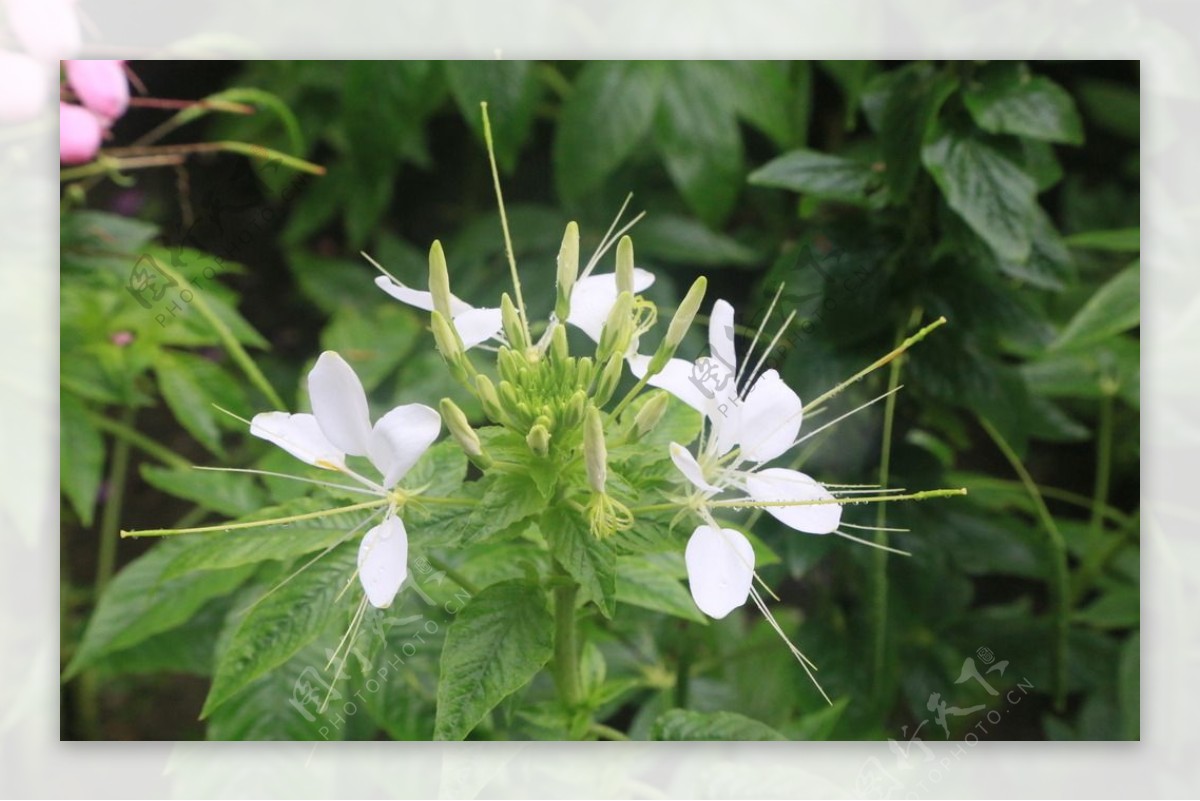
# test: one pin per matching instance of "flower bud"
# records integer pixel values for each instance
(439, 280)
(572, 414)
(610, 377)
(79, 134)
(514, 329)
(680, 323)
(595, 454)
(509, 400)
(618, 329)
(585, 371)
(558, 344)
(568, 270)
(445, 336)
(625, 265)
(538, 440)
(488, 398)
(101, 86)
(464, 435)
(651, 413)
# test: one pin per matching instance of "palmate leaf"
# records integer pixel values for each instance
(496, 645)
(282, 623)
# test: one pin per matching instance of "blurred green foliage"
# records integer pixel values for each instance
(1001, 195)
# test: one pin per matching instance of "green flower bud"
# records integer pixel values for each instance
(618, 329)
(464, 435)
(510, 365)
(595, 454)
(651, 413)
(439, 280)
(508, 398)
(558, 344)
(488, 398)
(514, 329)
(585, 371)
(625, 265)
(568, 270)
(680, 323)
(573, 412)
(610, 377)
(448, 342)
(538, 440)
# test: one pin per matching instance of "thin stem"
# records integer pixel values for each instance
(1057, 554)
(104, 164)
(455, 576)
(226, 336)
(879, 577)
(508, 247)
(227, 146)
(1103, 465)
(607, 732)
(566, 650)
(131, 436)
(275, 521)
(905, 345)
(985, 483)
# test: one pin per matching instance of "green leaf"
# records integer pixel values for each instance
(698, 136)
(141, 602)
(494, 647)
(1113, 106)
(1005, 99)
(901, 107)
(681, 724)
(819, 725)
(589, 561)
(285, 704)
(770, 95)
(1129, 687)
(281, 623)
(512, 92)
(610, 110)
(682, 240)
(1119, 608)
(190, 385)
(1118, 240)
(1112, 310)
(187, 648)
(852, 76)
(440, 471)
(238, 547)
(822, 176)
(229, 494)
(375, 340)
(652, 582)
(993, 195)
(508, 498)
(81, 457)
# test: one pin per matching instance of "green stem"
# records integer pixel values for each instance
(1057, 553)
(607, 732)
(566, 649)
(508, 247)
(131, 436)
(227, 338)
(1103, 466)
(455, 576)
(879, 577)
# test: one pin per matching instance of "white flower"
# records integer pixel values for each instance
(474, 325)
(593, 297)
(340, 425)
(753, 427)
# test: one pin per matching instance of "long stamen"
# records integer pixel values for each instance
(876, 528)
(326, 484)
(761, 326)
(804, 661)
(878, 545)
(774, 341)
(352, 633)
(274, 521)
(839, 419)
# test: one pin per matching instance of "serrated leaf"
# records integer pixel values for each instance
(283, 622)
(610, 110)
(645, 581)
(993, 195)
(284, 704)
(1005, 99)
(81, 457)
(494, 647)
(823, 176)
(190, 385)
(141, 602)
(698, 136)
(591, 562)
(681, 724)
(512, 91)
(1113, 309)
(901, 106)
(508, 498)
(230, 494)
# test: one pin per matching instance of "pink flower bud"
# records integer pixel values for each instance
(48, 29)
(101, 86)
(79, 134)
(24, 87)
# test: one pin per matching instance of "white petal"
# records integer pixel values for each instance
(399, 439)
(720, 336)
(678, 377)
(771, 414)
(299, 435)
(383, 561)
(720, 565)
(592, 299)
(340, 403)
(478, 325)
(725, 416)
(690, 468)
(781, 484)
(417, 297)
